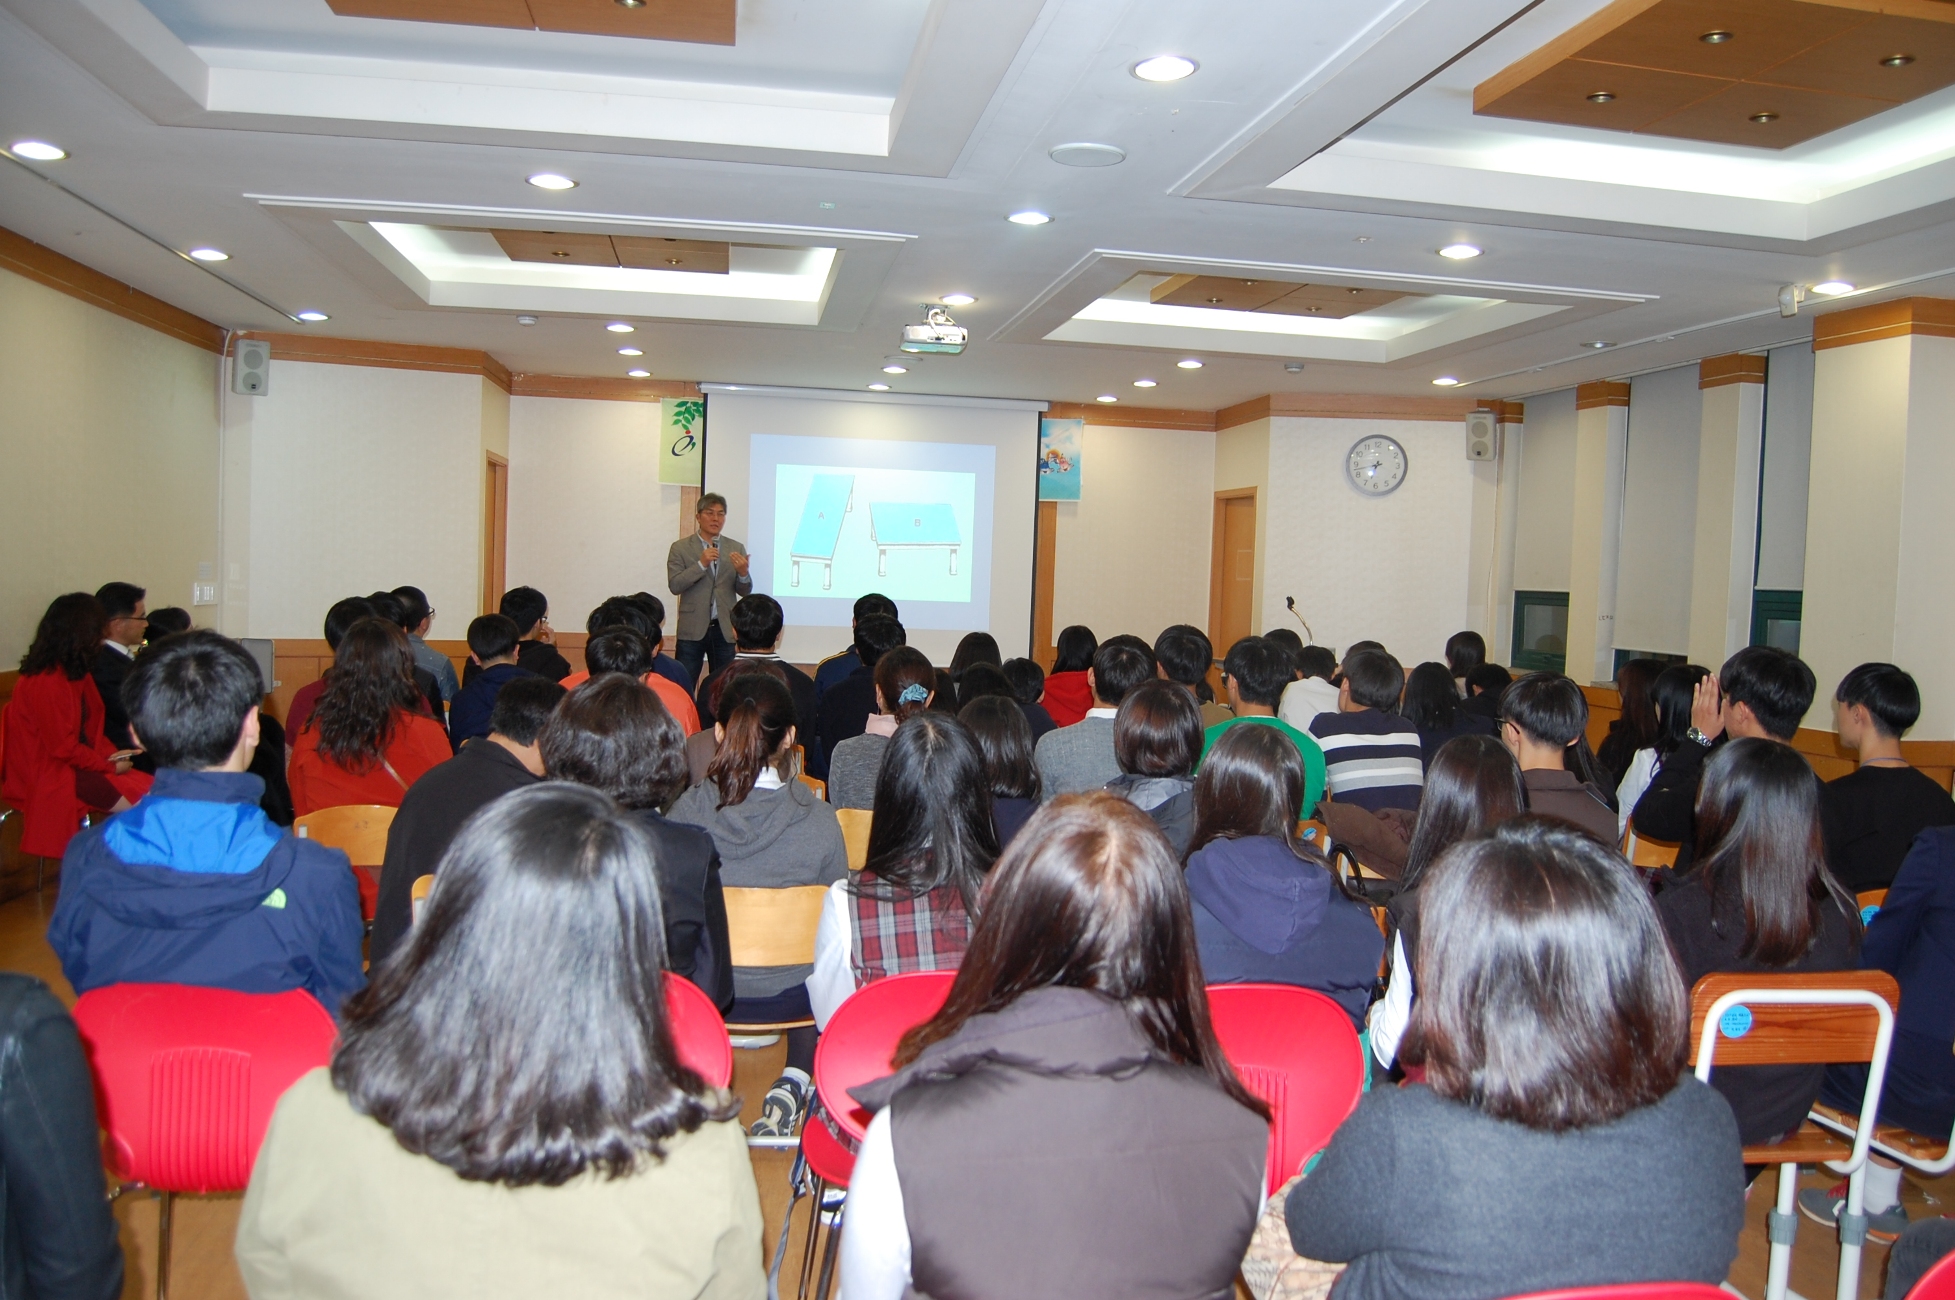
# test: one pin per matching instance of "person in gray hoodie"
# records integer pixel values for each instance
(772, 833)
(1157, 736)
(1267, 908)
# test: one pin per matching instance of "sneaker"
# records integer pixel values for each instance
(753, 1042)
(781, 1111)
(1825, 1205)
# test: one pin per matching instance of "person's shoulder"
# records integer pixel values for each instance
(1697, 1106)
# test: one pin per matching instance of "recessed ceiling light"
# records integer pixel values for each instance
(893, 369)
(631, 4)
(638, 374)
(552, 181)
(1446, 381)
(1897, 61)
(1598, 343)
(1293, 367)
(878, 388)
(1715, 38)
(38, 150)
(1081, 154)
(1143, 383)
(1188, 363)
(957, 300)
(526, 320)
(631, 352)
(1106, 397)
(1832, 288)
(1603, 97)
(1029, 217)
(1762, 118)
(1165, 67)
(210, 255)
(310, 316)
(1459, 252)
(619, 327)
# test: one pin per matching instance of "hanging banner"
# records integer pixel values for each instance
(1059, 459)
(681, 433)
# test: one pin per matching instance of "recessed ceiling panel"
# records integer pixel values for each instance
(1869, 61)
(468, 13)
(1758, 34)
(705, 22)
(655, 254)
(1227, 293)
(1608, 96)
(557, 249)
(1769, 117)
(1331, 301)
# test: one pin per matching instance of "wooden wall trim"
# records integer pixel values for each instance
(1045, 567)
(1133, 417)
(1602, 393)
(388, 356)
(43, 265)
(1731, 368)
(600, 388)
(1363, 406)
(1229, 417)
(1933, 317)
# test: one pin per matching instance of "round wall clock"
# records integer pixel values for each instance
(1376, 465)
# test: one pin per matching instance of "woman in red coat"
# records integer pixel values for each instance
(58, 765)
(366, 740)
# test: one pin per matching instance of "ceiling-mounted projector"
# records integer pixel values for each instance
(938, 333)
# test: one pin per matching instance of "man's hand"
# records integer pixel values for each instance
(545, 633)
(122, 760)
(1707, 708)
(709, 557)
(739, 559)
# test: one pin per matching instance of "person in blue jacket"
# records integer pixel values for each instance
(195, 885)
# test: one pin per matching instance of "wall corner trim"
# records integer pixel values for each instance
(602, 388)
(1933, 317)
(1731, 368)
(1134, 417)
(63, 274)
(1605, 392)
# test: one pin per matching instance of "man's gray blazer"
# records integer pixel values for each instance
(697, 588)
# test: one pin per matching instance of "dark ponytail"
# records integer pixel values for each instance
(757, 713)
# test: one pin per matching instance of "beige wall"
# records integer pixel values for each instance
(1787, 456)
(1545, 504)
(1659, 512)
(1242, 460)
(108, 435)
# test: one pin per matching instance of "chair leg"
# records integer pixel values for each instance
(1853, 1232)
(808, 1246)
(797, 1180)
(1782, 1228)
(164, 1216)
(830, 1254)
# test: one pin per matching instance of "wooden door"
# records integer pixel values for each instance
(1232, 569)
(495, 533)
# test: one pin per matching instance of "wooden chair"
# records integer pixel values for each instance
(1650, 854)
(855, 834)
(1922, 1154)
(1809, 1019)
(1870, 901)
(773, 927)
(418, 896)
(360, 831)
(818, 786)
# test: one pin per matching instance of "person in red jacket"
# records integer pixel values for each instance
(366, 740)
(58, 763)
(1067, 692)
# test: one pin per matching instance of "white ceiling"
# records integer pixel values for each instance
(1321, 141)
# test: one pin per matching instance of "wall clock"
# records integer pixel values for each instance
(1376, 465)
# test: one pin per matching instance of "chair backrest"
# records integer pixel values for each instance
(698, 1033)
(773, 927)
(1820, 1018)
(1870, 901)
(819, 786)
(186, 1077)
(1636, 1291)
(1650, 854)
(1295, 1049)
(855, 834)
(359, 829)
(1938, 1283)
(417, 898)
(861, 1038)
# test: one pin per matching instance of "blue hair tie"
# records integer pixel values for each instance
(913, 694)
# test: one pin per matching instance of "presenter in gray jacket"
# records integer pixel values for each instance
(708, 573)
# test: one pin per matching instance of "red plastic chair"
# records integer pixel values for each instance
(698, 1033)
(1938, 1283)
(1635, 1291)
(186, 1079)
(1295, 1049)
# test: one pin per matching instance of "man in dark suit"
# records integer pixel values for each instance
(839, 665)
(757, 623)
(846, 706)
(123, 602)
(708, 573)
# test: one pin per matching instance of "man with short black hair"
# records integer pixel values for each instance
(1312, 692)
(1080, 757)
(662, 663)
(1372, 757)
(194, 884)
(757, 623)
(417, 620)
(708, 573)
(536, 640)
(493, 651)
(127, 626)
(1255, 673)
(1873, 813)
(846, 706)
(434, 807)
(838, 666)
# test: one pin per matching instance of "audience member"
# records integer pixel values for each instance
(419, 621)
(1255, 674)
(905, 686)
(1484, 687)
(1541, 957)
(342, 615)
(167, 621)
(708, 572)
(536, 640)
(757, 624)
(1873, 813)
(492, 652)
(1068, 695)
(621, 648)
(975, 648)
(1157, 739)
(1544, 722)
(1465, 651)
(1185, 656)
(59, 765)
(983, 679)
(1372, 756)
(1267, 908)
(1028, 688)
(839, 665)
(931, 842)
(772, 833)
(1291, 645)
(1004, 738)
(195, 885)
(702, 745)
(391, 607)
(1070, 1078)
(1919, 1249)
(847, 704)
(1760, 899)
(432, 812)
(366, 741)
(267, 761)
(1313, 692)
(613, 734)
(1080, 757)
(58, 1240)
(1635, 730)
(1760, 692)
(471, 1137)
(653, 610)
(1433, 706)
(127, 625)
(1670, 698)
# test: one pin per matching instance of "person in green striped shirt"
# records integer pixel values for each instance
(1255, 673)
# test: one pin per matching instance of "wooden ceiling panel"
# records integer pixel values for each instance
(1331, 301)
(472, 13)
(1669, 35)
(1560, 93)
(1223, 292)
(1850, 64)
(653, 254)
(701, 22)
(1800, 115)
(556, 248)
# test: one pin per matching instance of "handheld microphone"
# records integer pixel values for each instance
(1290, 603)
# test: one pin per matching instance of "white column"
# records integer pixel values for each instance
(1595, 542)
(1725, 548)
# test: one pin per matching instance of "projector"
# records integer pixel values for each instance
(939, 333)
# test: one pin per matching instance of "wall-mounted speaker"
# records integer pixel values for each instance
(251, 368)
(1482, 435)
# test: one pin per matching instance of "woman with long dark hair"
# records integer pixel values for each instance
(506, 1112)
(1157, 739)
(1544, 723)
(1432, 705)
(60, 766)
(367, 739)
(772, 833)
(1071, 1080)
(1004, 738)
(1759, 898)
(1267, 908)
(912, 905)
(1554, 1029)
(1636, 728)
(702, 745)
(1465, 651)
(906, 685)
(1067, 693)
(1670, 698)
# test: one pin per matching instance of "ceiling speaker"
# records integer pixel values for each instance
(1482, 435)
(251, 368)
